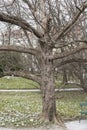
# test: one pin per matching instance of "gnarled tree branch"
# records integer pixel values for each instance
(24, 75)
(19, 49)
(19, 22)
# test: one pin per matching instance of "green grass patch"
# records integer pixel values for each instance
(69, 106)
(58, 84)
(17, 83)
(73, 84)
(20, 109)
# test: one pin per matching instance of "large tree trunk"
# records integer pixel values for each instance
(48, 92)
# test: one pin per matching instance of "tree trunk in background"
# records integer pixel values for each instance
(82, 82)
(64, 76)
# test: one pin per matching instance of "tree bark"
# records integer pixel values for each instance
(48, 91)
(65, 80)
(82, 84)
(48, 87)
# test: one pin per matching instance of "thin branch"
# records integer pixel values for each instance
(27, 36)
(71, 52)
(83, 41)
(29, 4)
(67, 61)
(69, 43)
(69, 26)
(7, 4)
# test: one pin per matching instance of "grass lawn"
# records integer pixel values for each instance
(19, 109)
(68, 105)
(22, 109)
(17, 83)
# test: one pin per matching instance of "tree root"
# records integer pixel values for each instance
(57, 120)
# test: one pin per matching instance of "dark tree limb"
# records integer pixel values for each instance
(19, 49)
(19, 22)
(24, 75)
(68, 61)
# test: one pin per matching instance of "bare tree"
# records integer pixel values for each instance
(51, 23)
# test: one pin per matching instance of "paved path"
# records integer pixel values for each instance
(75, 125)
(38, 90)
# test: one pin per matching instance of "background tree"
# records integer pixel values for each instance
(53, 26)
(11, 61)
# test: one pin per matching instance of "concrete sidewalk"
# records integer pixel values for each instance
(38, 90)
(75, 125)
